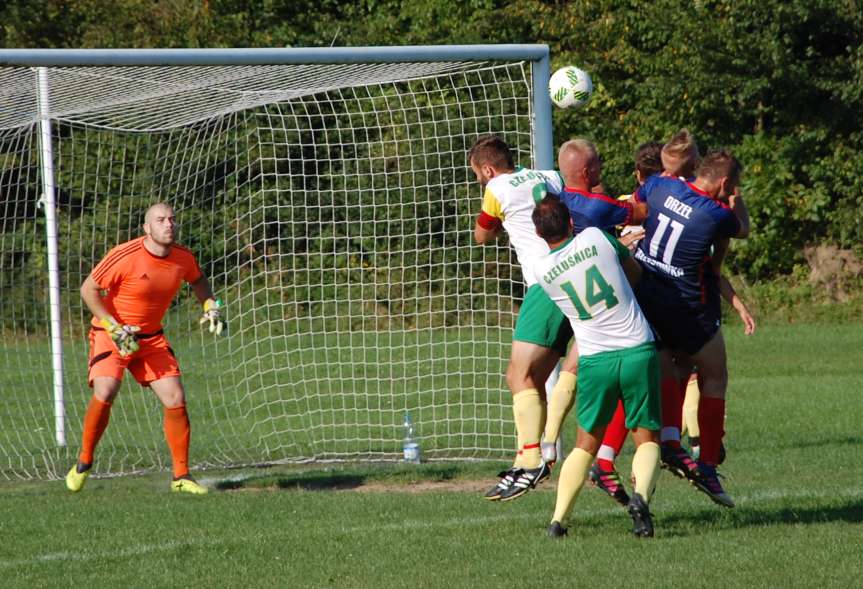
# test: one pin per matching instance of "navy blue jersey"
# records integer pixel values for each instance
(682, 225)
(591, 209)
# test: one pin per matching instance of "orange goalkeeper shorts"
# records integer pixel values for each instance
(154, 359)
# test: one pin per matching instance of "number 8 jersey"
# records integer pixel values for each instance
(510, 199)
(682, 224)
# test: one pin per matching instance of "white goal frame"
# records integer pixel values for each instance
(541, 124)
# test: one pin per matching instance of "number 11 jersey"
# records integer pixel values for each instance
(682, 225)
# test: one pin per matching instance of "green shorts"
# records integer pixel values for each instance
(631, 374)
(541, 322)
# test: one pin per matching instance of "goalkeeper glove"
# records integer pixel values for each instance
(123, 336)
(213, 314)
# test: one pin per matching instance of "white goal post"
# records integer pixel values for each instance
(327, 196)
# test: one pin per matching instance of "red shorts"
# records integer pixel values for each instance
(154, 359)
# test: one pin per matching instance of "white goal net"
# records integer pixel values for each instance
(332, 208)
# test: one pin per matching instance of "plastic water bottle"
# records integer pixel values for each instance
(411, 445)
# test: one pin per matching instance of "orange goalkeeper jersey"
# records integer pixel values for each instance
(141, 285)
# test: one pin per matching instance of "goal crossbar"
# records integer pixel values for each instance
(536, 53)
(335, 214)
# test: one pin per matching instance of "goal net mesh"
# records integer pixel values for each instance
(331, 207)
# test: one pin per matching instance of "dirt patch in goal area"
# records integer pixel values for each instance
(453, 486)
(354, 484)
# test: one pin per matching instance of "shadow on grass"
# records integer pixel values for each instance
(688, 524)
(343, 478)
(820, 443)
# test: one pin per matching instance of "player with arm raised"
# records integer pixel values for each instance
(589, 276)
(541, 331)
(679, 294)
(677, 158)
(140, 279)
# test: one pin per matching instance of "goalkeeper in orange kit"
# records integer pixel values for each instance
(139, 280)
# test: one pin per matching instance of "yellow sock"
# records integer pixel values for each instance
(562, 399)
(645, 469)
(690, 409)
(571, 480)
(529, 423)
(519, 462)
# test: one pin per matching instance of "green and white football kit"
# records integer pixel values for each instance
(617, 356)
(510, 199)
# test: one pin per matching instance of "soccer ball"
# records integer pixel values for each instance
(570, 87)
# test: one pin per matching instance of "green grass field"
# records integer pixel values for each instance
(273, 397)
(794, 468)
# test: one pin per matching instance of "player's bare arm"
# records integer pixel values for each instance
(639, 211)
(720, 250)
(631, 236)
(124, 336)
(726, 290)
(730, 295)
(737, 205)
(202, 290)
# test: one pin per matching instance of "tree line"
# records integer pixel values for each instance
(779, 82)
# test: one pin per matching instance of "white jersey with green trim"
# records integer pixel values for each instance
(585, 278)
(511, 198)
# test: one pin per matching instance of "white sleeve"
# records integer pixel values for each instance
(537, 275)
(553, 181)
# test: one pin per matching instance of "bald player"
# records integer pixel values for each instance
(581, 169)
(128, 293)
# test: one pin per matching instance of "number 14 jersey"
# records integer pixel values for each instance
(584, 277)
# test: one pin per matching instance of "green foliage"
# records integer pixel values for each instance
(779, 82)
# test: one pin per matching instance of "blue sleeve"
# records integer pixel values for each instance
(643, 191)
(620, 214)
(608, 214)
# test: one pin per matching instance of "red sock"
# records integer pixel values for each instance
(672, 415)
(615, 436)
(95, 422)
(711, 420)
(177, 433)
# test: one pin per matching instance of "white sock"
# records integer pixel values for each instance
(606, 452)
